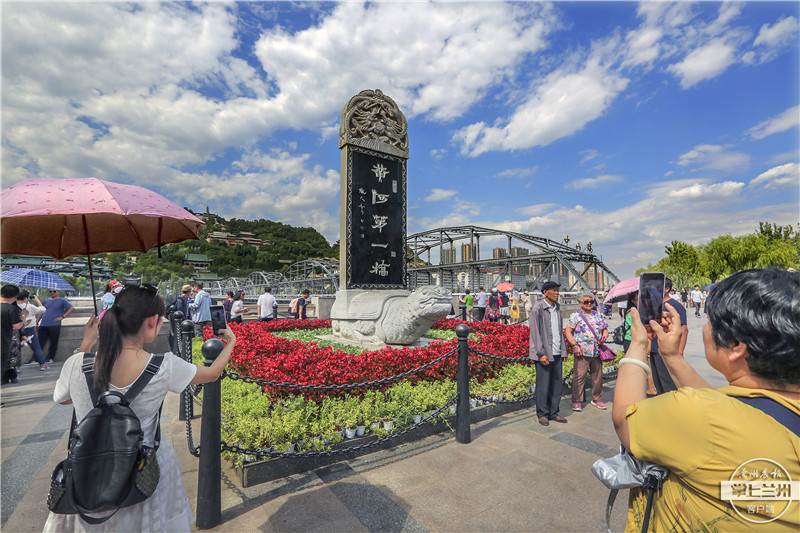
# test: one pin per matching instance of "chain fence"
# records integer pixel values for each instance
(254, 454)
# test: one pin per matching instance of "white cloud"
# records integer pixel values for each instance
(564, 103)
(438, 154)
(536, 210)
(708, 192)
(588, 155)
(778, 34)
(788, 174)
(435, 60)
(786, 120)
(598, 181)
(704, 63)
(127, 92)
(440, 195)
(518, 173)
(715, 158)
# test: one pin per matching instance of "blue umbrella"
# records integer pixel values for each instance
(30, 277)
(709, 286)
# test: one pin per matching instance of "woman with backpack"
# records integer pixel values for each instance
(134, 320)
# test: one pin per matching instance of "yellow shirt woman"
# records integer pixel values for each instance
(706, 437)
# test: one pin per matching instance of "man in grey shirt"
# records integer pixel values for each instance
(547, 345)
(480, 303)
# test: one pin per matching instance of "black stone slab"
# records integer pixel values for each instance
(376, 220)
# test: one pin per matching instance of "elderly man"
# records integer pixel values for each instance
(548, 350)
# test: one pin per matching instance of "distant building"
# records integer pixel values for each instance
(499, 253)
(205, 277)
(62, 267)
(230, 239)
(449, 255)
(468, 253)
(519, 252)
(197, 261)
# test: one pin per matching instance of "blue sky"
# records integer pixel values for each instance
(624, 124)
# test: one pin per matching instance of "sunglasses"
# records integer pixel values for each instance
(587, 302)
(51, 292)
(149, 288)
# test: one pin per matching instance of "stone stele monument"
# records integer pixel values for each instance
(372, 305)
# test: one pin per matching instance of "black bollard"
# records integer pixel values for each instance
(209, 475)
(185, 352)
(175, 320)
(463, 311)
(462, 384)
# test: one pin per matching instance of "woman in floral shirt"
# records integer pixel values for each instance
(584, 346)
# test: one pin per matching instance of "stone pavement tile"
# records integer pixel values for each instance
(31, 512)
(436, 508)
(313, 509)
(402, 476)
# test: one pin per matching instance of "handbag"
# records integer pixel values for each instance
(606, 353)
(15, 350)
(624, 471)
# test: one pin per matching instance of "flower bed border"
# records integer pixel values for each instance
(258, 472)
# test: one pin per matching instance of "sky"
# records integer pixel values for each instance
(627, 125)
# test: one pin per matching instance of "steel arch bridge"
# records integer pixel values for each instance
(320, 276)
(524, 260)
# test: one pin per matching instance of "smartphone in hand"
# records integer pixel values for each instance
(651, 296)
(218, 319)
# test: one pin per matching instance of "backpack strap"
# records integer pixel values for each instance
(782, 414)
(149, 371)
(88, 371)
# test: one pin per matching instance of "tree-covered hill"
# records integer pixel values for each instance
(288, 244)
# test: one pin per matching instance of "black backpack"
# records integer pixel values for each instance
(107, 465)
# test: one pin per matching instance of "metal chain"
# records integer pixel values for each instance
(261, 453)
(499, 358)
(188, 399)
(334, 388)
(489, 399)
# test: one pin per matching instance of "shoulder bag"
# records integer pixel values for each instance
(606, 353)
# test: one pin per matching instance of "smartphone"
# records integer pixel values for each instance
(218, 319)
(651, 296)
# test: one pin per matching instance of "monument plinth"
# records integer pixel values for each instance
(372, 304)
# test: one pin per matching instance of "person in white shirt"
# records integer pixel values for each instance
(697, 300)
(35, 312)
(266, 304)
(480, 303)
(238, 308)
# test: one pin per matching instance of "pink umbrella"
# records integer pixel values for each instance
(621, 290)
(505, 287)
(64, 217)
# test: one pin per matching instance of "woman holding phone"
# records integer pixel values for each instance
(135, 319)
(708, 437)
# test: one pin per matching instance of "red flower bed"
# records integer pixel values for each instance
(261, 355)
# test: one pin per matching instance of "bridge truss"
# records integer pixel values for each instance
(317, 275)
(525, 260)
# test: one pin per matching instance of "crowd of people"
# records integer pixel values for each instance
(663, 411)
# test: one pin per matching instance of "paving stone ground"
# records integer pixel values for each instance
(514, 476)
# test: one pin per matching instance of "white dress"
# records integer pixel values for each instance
(168, 508)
